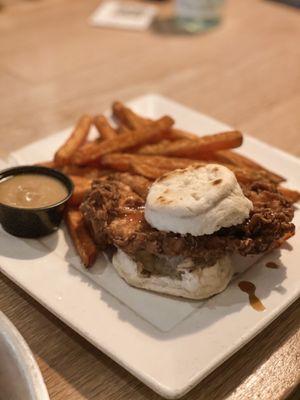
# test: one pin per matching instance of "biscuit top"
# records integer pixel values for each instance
(197, 200)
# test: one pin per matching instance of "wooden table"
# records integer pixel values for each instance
(54, 67)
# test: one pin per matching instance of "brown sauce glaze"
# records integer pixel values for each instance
(135, 216)
(249, 288)
(272, 265)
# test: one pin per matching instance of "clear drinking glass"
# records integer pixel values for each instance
(198, 15)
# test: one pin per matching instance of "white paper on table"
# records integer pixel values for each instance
(123, 15)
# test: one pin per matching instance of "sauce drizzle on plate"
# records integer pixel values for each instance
(249, 288)
(272, 265)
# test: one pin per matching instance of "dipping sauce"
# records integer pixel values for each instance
(249, 288)
(31, 191)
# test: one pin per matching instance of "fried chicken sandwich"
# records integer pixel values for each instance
(177, 235)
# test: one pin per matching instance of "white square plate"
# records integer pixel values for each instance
(167, 343)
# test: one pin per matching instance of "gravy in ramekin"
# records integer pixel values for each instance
(31, 191)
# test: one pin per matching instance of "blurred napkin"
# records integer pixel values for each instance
(123, 15)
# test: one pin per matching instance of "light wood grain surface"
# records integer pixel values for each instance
(54, 67)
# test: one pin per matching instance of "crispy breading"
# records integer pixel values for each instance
(115, 214)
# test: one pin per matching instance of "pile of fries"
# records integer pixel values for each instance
(145, 147)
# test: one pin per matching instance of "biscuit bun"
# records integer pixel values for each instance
(198, 200)
(199, 284)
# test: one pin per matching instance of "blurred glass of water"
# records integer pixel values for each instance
(198, 15)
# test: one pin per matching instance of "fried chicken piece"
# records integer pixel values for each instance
(114, 211)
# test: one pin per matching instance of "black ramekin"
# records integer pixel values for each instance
(33, 222)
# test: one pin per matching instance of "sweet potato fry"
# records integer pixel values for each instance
(172, 135)
(292, 195)
(92, 152)
(104, 128)
(155, 148)
(247, 175)
(148, 171)
(77, 138)
(176, 134)
(128, 118)
(82, 186)
(87, 149)
(138, 184)
(117, 161)
(127, 163)
(122, 129)
(239, 160)
(124, 161)
(231, 158)
(204, 144)
(87, 172)
(83, 242)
